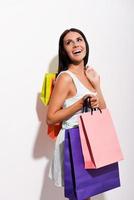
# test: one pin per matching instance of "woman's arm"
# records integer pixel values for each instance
(60, 92)
(101, 100)
(94, 79)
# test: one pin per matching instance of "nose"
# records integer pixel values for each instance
(75, 44)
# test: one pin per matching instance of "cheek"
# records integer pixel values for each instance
(84, 46)
(68, 51)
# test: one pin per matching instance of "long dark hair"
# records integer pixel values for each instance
(64, 60)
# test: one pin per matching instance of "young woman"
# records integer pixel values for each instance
(75, 81)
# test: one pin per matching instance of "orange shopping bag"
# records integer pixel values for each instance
(53, 130)
(100, 145)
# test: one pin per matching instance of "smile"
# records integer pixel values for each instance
(78, 51)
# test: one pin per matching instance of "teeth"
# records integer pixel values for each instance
(77, 51)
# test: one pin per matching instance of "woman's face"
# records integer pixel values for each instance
(75, 47)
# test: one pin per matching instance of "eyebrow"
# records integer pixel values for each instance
(68, 40)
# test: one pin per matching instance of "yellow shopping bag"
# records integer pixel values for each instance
(45, 94)
(47, 87)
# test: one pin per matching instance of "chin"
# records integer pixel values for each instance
(78, 62)
(79, 59)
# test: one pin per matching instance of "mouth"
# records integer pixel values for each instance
(77, 51)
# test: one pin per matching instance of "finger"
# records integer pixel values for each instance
(94, 105)
(94, 98)
(94, 101)
(87, 95)
(89, 68)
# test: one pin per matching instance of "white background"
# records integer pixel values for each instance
(29, 33)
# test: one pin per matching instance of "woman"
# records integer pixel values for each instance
(75, 81)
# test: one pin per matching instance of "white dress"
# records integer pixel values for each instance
(56, 172)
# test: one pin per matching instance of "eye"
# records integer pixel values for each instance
(79, 39)
(68, 42)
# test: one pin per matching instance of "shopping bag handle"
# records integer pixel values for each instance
(87, 106)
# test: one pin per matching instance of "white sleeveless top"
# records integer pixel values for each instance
(56, 172)
(81, 90)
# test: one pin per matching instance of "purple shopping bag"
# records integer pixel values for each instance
(82, 183)
(69, 178)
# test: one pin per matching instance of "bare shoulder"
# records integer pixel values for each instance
(62, 84)
(64, 77)
(61, 90)
(63, 80)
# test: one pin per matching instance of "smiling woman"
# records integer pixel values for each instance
(75, 81)
(64, 59)
(75, 47)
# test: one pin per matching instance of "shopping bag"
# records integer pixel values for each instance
(69, 177)
(81, 182)
(47, 87)
(53, 130)
(100, 145)
(45, 94)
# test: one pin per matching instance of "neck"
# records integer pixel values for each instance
(77, 68)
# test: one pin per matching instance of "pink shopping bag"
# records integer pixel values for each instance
(99, 140)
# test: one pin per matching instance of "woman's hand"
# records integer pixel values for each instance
(93, 77)
(94, 100)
